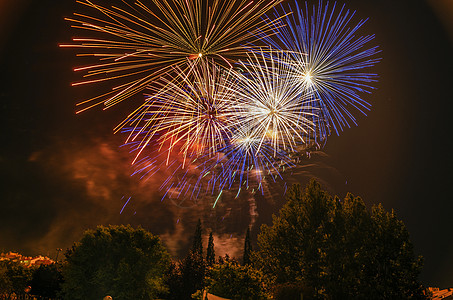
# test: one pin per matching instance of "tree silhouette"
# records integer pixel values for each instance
(119, 261)
(210, 254)
(192, 267)
(173, 279)
(6, 286)
(338, 249)
(14, 277)
(234, 281)
(46, 281)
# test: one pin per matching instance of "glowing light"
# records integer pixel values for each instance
(330, 59)
(193, 114)
(273, 103)
(242, 165)
(209, 126)
(228, 129)
(218, 197)
(137, 43)
(307, 78)
(195, 56)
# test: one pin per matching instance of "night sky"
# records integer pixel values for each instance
(63, 173)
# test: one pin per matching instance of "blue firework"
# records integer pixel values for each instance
(246, 162)
(331, 60)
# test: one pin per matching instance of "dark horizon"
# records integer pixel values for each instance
(64, 173)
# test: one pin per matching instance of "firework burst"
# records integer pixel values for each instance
(137, 43)
(275, 104)
(247, 161)
(222, 113)
(193, 113)
(232, 128)
(188, 119)
(329, 59)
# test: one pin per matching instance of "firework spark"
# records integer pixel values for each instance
(232, 128)
(184, 180)
(274, 103)
(136, 44)
(330, 60)
(247, 161)
(193, 113)
(188, 118)
(222, 113)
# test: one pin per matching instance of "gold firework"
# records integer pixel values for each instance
(137, 43)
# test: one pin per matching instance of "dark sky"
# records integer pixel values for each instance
(63, 173)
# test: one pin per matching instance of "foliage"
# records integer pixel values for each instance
(247, 248)
(192, 273)
(233, 281)
(46, 281)
(14, 277)
(6, 285)
(338, 248)
(193, 266)
(187, 276)
(173, 280)
(210, 253)
(226, 258)
(291, 291)
(119, 261)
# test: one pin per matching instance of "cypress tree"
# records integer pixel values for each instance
(210, 255)
(247, 248)
(197, 246)
(193, 267)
